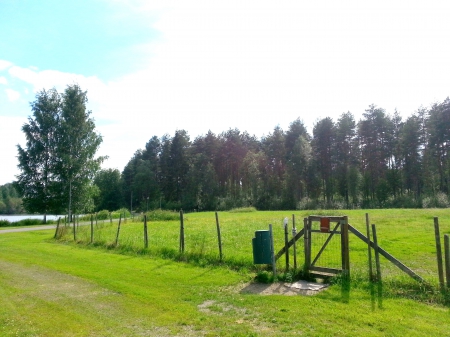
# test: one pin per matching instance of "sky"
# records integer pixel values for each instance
(153, 67)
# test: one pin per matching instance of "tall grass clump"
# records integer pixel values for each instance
(162, 215)
(243, 210)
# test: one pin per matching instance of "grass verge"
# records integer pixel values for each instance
(49, 289)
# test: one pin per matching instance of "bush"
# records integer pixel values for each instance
(28, 222)
(264, 277)
(5, 223)
(103, 215)
(123, 211)
(439, 200)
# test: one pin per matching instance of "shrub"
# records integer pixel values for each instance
(264, 277)
(5, 223)
(439, 200)
(28, 222)
(103, 215)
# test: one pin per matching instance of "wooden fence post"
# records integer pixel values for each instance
(447, 258)
(57, 228)
(274, 266)
(377, 253)
(307, 243)
(118, 229)
(345, 247)
(439, 252)
(92, 228)
(369, 250)
(145, 232)
(74, 230)
(286, 242)
(219, 237)
(181, 232)
(294, 233)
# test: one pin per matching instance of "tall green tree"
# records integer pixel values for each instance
(110, 190)
(375, 141)
(439, 142)
(324, 139)
(38, 181)
(75, 149)
(346, 158)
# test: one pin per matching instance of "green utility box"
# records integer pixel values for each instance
(261, 247)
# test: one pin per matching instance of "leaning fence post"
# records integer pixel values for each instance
(219, 237)
(439, 252)
(118, 229)
(57, 228)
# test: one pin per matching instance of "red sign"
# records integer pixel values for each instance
(325, 225)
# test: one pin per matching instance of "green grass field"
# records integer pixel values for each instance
(67, 288)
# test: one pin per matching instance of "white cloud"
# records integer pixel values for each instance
(47, 79)
(10, 136)
(12, 95)
(3, 80)
(4, 64)
(255, 65)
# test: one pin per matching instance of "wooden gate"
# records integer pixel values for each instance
(319, 231)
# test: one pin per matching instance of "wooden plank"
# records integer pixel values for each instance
(386, 255)
(332, 218)
(322, 271)
(319, 231)
(290, 243)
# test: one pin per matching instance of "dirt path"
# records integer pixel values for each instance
(27, 229)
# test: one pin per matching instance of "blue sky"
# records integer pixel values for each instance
(152, 67)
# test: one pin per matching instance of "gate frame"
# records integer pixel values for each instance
(342, 224)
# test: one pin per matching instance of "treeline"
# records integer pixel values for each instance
(379, 161)
(10, 200)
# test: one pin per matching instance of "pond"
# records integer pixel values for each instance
(15, 218)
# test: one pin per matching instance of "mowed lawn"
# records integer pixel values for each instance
(62, 288)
